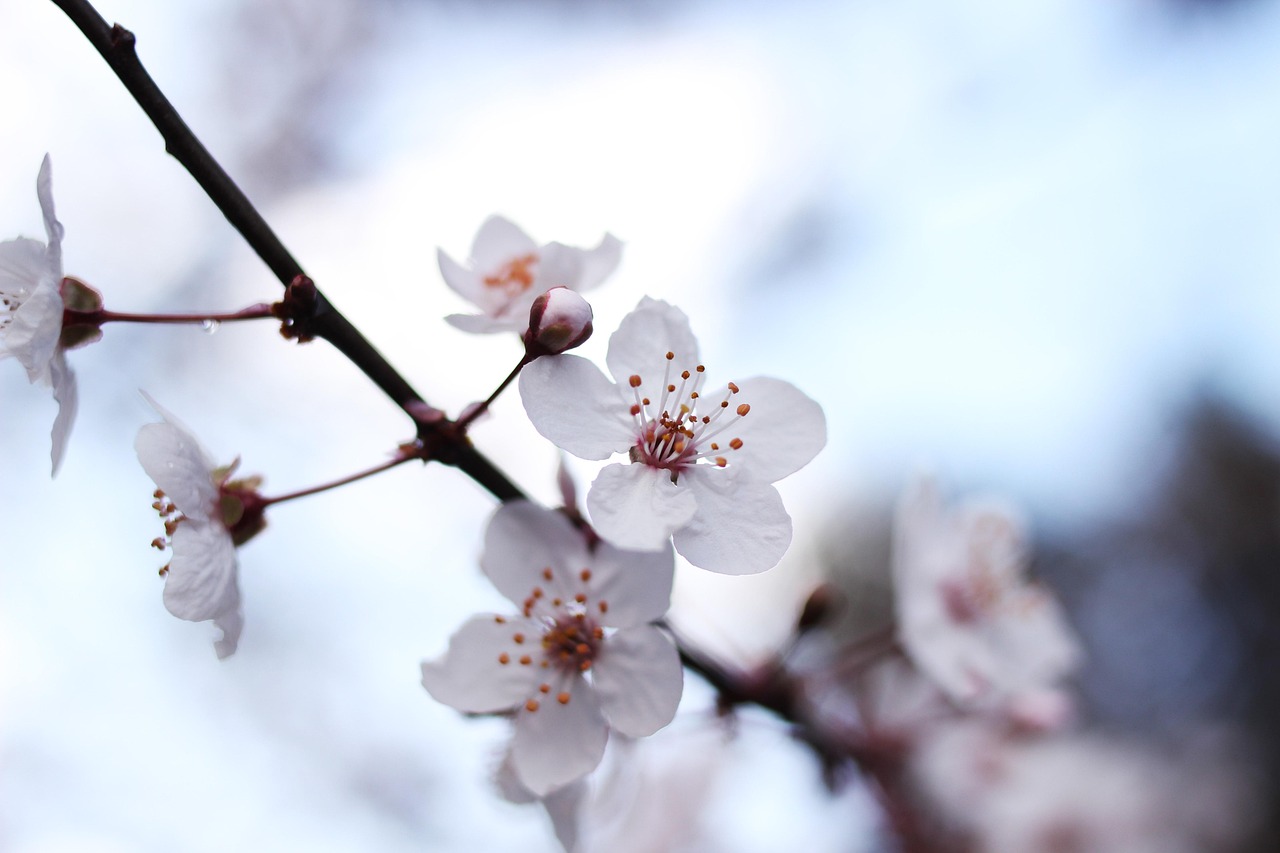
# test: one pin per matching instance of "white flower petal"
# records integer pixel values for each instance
(482, 324)
(521, 540)
(639, 679)
(557, 743)
(174, 459)
(740, 528)
(498, 242)
(575, 407)
(35, 328)
(52, 227)
(65, 392)
(635, 584)
(781, 433)
(638, 507)
(558, 266)
(461, 280)
(643, 339)
(201, 581)
(23, 263)
(599, 263)
(470, 675)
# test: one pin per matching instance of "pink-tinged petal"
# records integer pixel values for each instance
(23, 263)
(639, 679)
(558, 743)
(471, 676)
(562, 806)
(521, 541)
(461, 280)
(498, 242)
(52, 227)
(635, 585)
(174, 459)
(65, 392)
(740, 528)
(230, 624)
(201, 581)
(638, 507)
(600, 263)
(575, 407)
(781, 433)
(32, 336)
(643, 339)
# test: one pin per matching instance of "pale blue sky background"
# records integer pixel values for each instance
(1008, 240)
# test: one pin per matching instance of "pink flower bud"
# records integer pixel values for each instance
(559, 320)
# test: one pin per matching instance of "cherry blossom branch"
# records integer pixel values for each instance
(71, 317)
(117, 46)
(403, 455)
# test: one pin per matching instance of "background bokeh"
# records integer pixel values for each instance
(1029, 246)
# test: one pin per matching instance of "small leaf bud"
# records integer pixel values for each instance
(559, 320)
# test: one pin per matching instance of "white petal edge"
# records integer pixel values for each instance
(782, 432)
(557, 744)
(68, 397)
(52, 227)
(35, 328)
(638, 507)
(645, 336)
(600, 263)
(573, 405)
(469, 676)
(740, 528)
(639, 680)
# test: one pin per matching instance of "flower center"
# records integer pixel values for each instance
(515, 276)
(570, 635)
(680, 428)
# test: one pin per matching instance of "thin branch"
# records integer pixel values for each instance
(116, 45)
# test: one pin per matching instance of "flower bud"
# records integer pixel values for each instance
(559, 320)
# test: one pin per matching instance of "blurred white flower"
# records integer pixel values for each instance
(31, 311)
(967, 615)
(507, 270)
(704, 462)
(207, 515)
(580, 658)
(1010, 793)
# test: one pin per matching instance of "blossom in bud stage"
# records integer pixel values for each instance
(508, 271)
(703, 462)
(967, 615)
(580, 657)
(559, 320)
(31, 310)
(206, 515)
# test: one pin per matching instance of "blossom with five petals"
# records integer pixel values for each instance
(703, 462)
(207, 514)
(966, 614)
(507, 271)
(31, 310)
(580, 658)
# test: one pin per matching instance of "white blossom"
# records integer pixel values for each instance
(206, 516)
(507, 270)
(31, 312)
(580, 657)
(967, 615)
(703, 461)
